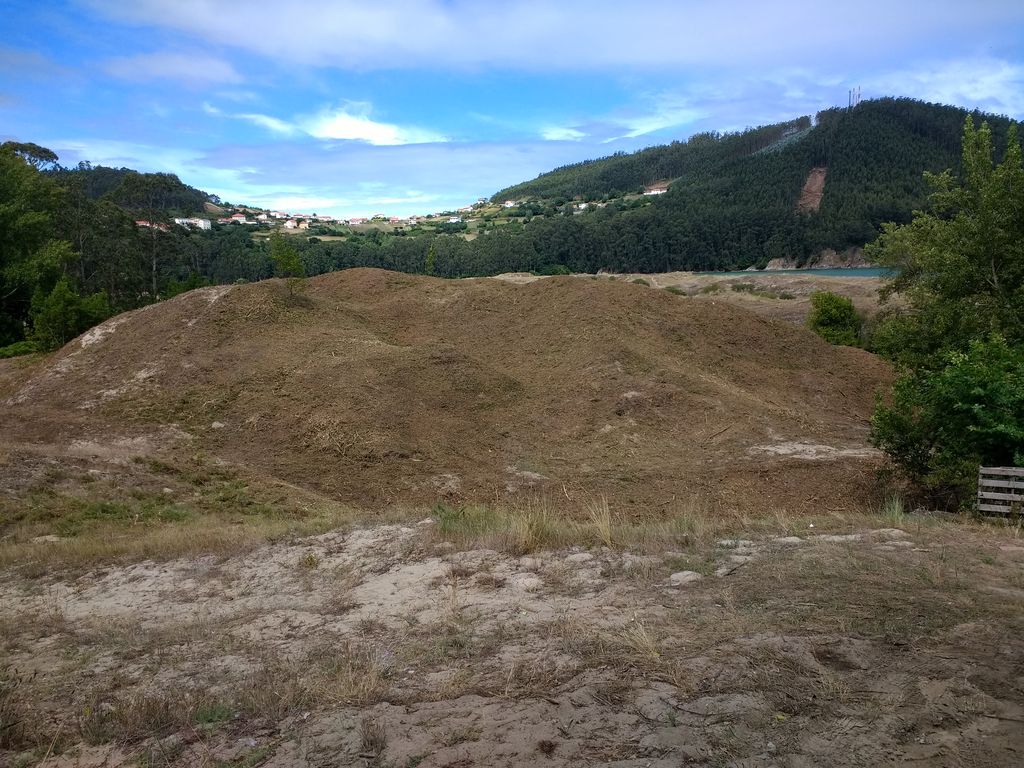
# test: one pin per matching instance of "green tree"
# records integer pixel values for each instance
(38, 157)
(960, 265)
(61, 314)
(834, 318)
(148, 194)
(287, 262)
(959, 399)
(428, 267)
(30, 254)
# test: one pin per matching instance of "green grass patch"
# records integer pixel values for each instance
(765, 293)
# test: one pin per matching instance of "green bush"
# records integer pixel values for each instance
(834, 318)
(18, 348)
(942, 424)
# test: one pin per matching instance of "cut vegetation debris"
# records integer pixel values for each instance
(381, 388)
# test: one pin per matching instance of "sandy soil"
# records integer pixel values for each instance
(384, 646)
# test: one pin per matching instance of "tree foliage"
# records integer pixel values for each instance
(959, 400)
(834, 318)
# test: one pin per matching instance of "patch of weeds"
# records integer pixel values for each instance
(601, 518)
(711, 288)
(248, 760)
(676, 290)
(236, 496)
(465, 522)
(640, 281)
(134, 718)
(213, 713)
(373, 739)
(761, 291)
(894, 511)
(637, 639)
(461, 735)
(72, 515)
(309, 561)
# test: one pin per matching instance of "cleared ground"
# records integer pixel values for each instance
(375, 388)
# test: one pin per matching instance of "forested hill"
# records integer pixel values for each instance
(914, 133)
(622, 173)
(733, 197)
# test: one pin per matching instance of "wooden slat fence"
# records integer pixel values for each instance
(1001, 490)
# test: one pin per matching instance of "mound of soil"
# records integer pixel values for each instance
(378, 388)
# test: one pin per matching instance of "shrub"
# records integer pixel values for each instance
(943, 423)
(834, 318)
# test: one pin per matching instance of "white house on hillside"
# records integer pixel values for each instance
(194, 222)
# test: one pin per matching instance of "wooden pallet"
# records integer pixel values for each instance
(1001, 490)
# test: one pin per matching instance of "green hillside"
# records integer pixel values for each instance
(732, 203)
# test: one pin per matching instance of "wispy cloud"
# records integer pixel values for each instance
(352, 122)
(349, 122)
(984, 83)
(601, 34)
(272, 124)
(562, 133)
(666, 111)
(21, 63)
(188, 70)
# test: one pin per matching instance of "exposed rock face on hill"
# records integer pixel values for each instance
(378, 388)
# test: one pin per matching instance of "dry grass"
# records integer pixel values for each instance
(203, 536)
(909, 598)
(372, 737)
(534, 526)
(18, 722)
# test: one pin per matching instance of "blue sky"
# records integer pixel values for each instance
(416, 106)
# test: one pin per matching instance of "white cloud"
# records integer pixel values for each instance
(272, 124)
(986, 84)
(188, 70)
(600, 34)
(668, 111)
(562, 133)
(352, 122)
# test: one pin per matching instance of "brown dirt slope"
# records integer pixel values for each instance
(378, 388)
(814, 188)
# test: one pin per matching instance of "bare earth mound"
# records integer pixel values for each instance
(376, 387)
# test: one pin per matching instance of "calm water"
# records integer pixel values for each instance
(850, 272)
